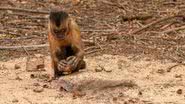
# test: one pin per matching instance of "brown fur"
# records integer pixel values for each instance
(70, 45)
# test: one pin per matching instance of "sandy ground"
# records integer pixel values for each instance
(106, 80)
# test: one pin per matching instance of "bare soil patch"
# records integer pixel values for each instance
(130, 82)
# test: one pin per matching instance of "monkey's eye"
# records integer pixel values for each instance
(63, 30)
(56, 31)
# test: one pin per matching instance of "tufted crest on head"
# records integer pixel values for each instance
(58, 16)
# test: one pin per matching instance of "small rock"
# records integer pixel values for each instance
(39, 55)
(140, 93)
(18, 78)
(179, 91)
(36, 84)
(160, 71)
(178, 75)
(40, 76)
(133, 100)
(40, 66)
(107, 69)
(120, 94)
(4, 67)
(60, 95)
(15, 100)
(33, 76)
(77, 93)
(17, 66)
(38, 89)
(98, 69)
(45, 86)
(125, 102)
(115, 99)
(26, 88)
(35, 64)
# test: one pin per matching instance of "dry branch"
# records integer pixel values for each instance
(36, 46)
(18, 47)
(139, 17)
(25, 29)
(90, 30)
(154, 22)
(6, 32)
(88, 50)
(92, 51)
(91, 48)
(174, 29)
(28, 16)
(171, 67)
(24, 10)
(114, 4)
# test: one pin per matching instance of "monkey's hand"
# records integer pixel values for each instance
(64, 67)
(73, 61)
(69, 65)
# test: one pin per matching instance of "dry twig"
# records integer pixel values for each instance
(18, 47)
(114, 4)
(139, 17)
(92, 51)
(153, 23)
(36, 46)
(24, 10)
(174, 29)
(97, 30)
(171, 67)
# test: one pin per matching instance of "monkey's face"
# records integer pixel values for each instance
(60, 32)
(58, 21)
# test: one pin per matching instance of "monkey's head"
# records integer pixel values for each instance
(59, 23)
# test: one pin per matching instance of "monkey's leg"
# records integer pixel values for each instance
(57, 71)
(54, 72)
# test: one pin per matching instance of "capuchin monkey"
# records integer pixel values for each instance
(66, 46)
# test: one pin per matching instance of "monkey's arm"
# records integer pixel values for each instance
(77, 46)
(56, 56)
(54, 59)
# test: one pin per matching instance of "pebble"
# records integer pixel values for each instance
(17, 66)
(160, 71)
(15, 100)
(179, 91)
(107, 69)
(38, 89)
(98, 69)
